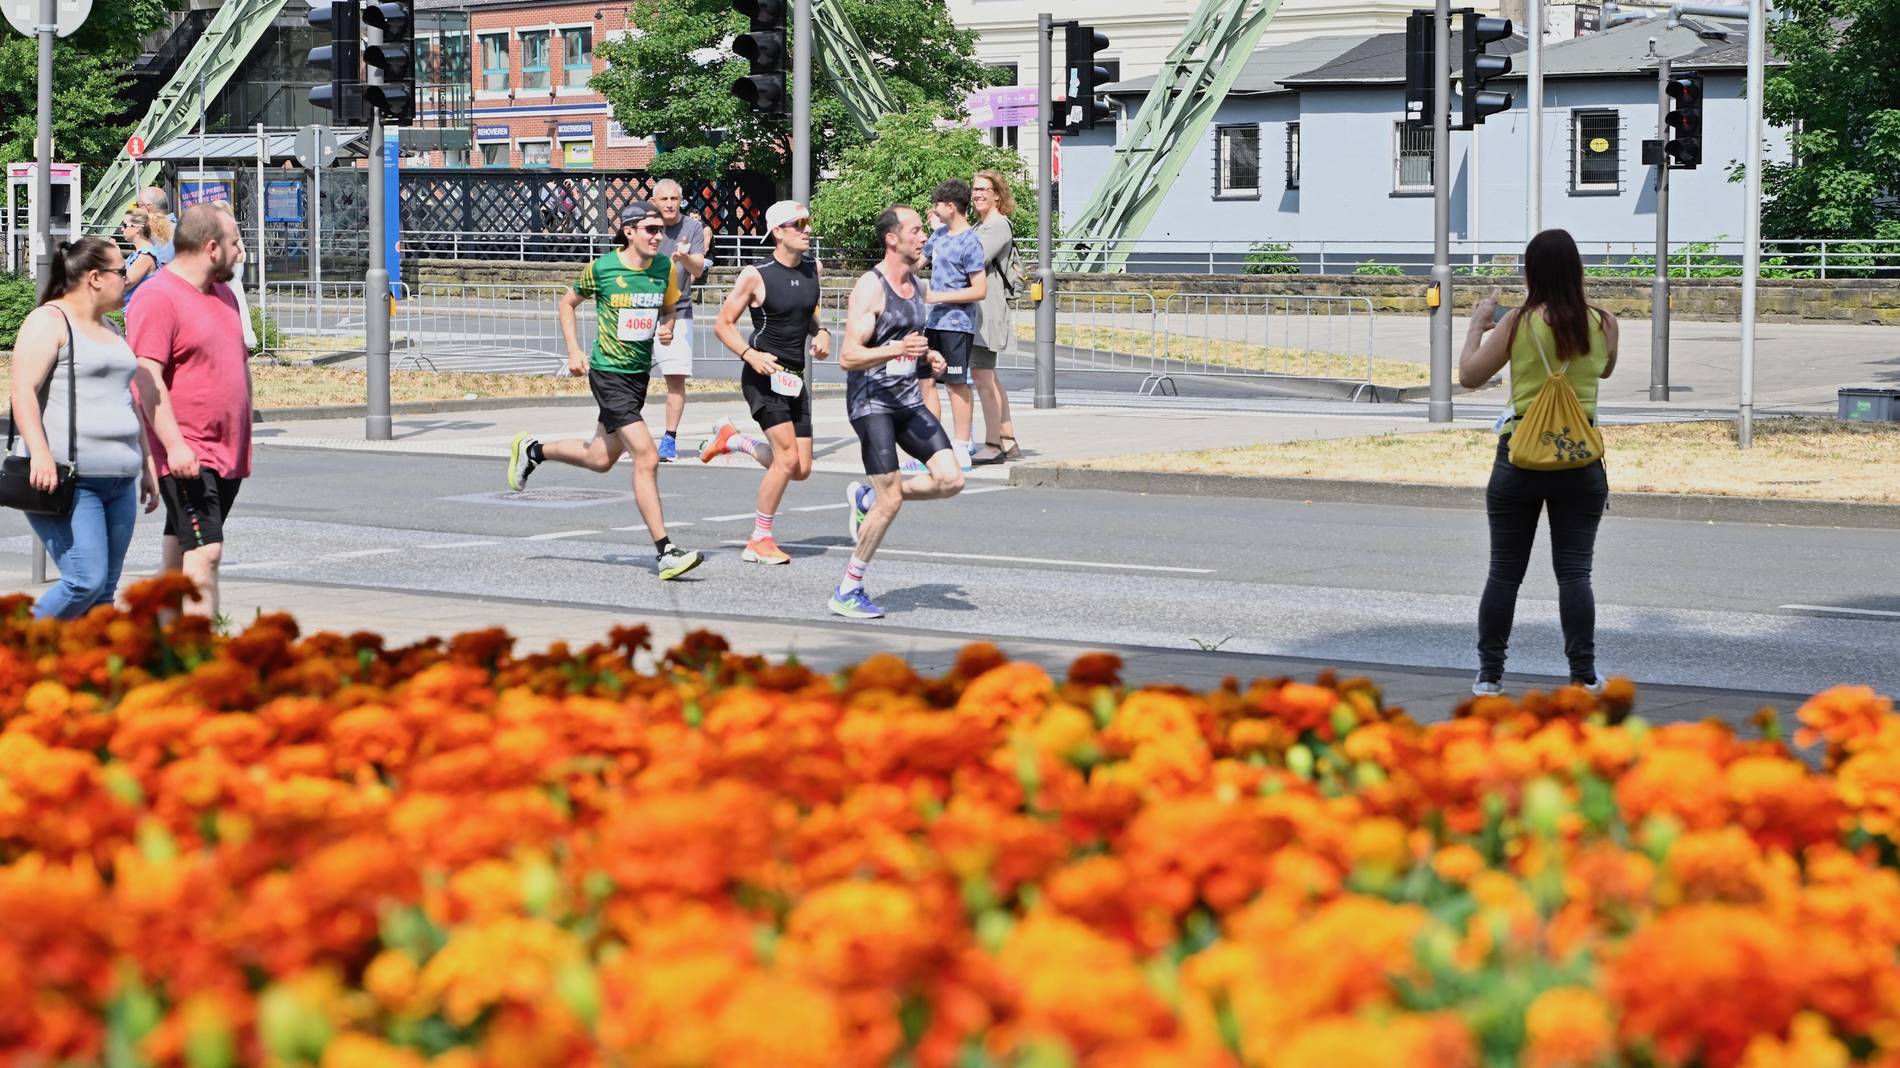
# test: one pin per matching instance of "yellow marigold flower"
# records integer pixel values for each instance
(503, 959)
(1426, 1041)
(1569, 1027)
(1381, 844)
(353, 1050)
(1809, 1045)
(1457, 863)
(394, 979)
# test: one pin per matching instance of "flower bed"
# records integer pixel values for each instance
(270, 849)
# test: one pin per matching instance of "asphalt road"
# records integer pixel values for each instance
(1679, 603)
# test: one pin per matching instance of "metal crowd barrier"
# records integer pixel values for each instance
(1266, 336)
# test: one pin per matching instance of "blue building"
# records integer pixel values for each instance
(1309, 150)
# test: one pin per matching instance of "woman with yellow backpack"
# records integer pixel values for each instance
(1550, 452)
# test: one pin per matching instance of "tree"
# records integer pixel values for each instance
(92, 71)
(1840, 93)
(912, 153)
(671, 79)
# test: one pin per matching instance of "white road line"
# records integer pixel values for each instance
(457, 545)
(559, 534)
(1008, 559)
(820, 507)
(723, 518)
(643, 526)
(1878, 613)
(256, 563)
(967, 490)
(358, 554)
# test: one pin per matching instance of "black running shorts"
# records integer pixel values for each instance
(621, 397)
(771, 409)
(881, 434)
(195, 508)
(954, 346)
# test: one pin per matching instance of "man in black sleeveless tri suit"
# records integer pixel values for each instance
(883, 342)
(781, 292)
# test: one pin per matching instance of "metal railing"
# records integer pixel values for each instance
(1266, 336)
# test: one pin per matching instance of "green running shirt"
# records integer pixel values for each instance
(627, 306)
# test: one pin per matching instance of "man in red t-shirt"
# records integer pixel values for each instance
(194, 385)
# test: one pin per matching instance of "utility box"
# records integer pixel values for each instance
(1870, 405)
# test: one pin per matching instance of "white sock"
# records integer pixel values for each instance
(853, 575)
(761, 525)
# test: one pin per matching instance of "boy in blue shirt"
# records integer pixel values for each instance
(959, 280)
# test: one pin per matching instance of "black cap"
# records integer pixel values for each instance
(636, 211)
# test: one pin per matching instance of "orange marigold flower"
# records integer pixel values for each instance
(860, 934)
(1810, 1044)
(506, 958)
(1070, 981)
(1457, 863)
(1701, 981)
(1427, 1041)
(1844, 717)
(1568, 1027)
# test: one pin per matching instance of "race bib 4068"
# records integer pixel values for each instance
(637, 324)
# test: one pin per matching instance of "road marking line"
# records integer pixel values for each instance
(559, 534)
(256, 563)
(643, 526)
(457, 545)
(1845, 611)
(821, 507)
(358, 554)
(727, 518)
(1006, 559)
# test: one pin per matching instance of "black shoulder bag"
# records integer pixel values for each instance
(16, 484)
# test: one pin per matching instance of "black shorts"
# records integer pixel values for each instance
(621, 396)
(881, 434)
(195, 508)
(954, 346)
(771, 409)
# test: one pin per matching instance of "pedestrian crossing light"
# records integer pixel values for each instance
(1684, 120)
(395, 97)
(1421, 47)
(342, 57)
(1085, 77)
(1481, 67)
(764, 89)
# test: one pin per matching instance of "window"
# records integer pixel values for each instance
(1237, 161)
(494, 153)
(534, 60)
(452, 57)
(1007, 73)
(1004, 136)
(1292, 155)
(494, 63)
(536, 153)
(1412, 159)
(577, 55)
(1596, 152)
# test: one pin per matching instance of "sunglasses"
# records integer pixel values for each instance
(123, 270)
(651, 230)
(797, 224)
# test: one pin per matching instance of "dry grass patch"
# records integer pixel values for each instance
(1806, 458)
(1236, 355)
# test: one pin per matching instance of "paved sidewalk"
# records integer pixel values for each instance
(1428, 694)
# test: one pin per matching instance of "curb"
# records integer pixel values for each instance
(565, 400)
(1698, 508)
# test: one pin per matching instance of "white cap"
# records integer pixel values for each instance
(783, 212)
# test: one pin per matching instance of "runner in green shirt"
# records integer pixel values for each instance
(633, 291)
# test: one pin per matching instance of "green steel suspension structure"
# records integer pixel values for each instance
(1193, 81)
(849, 66)
(236, 29)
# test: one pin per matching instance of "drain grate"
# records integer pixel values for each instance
(545, 497)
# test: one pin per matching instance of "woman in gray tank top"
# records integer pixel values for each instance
(69, 335)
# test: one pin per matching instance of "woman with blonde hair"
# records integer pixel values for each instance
(991, 200)
(151, 239)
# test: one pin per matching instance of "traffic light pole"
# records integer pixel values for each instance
(378, 426)
(1659, 286)
(801, 102)
(1045, 220)
(1438, 408)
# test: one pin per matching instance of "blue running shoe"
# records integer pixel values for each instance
(854, 605)
(669, 448)
(854, 508)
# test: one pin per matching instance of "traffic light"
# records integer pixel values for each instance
(764, 89)
(1421, 50)
(342, 57)
(396, 58)
(1685, 120)
(1084, 76)
(1481, 67)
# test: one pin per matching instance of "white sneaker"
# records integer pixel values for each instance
(1484, 687)
(962, 449)
(1594, 686)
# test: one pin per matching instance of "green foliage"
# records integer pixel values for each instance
(1841, 84)
(1381, 269)
(269, 337)
(16, 301)
(1270, 257)
(903, 166)
(658, 85)
(92, 71)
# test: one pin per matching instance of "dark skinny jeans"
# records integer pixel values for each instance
(1576, 499)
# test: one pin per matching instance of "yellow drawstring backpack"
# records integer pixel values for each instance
(1555, 432)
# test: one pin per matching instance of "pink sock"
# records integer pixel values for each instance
(741, 443)
(761, 525)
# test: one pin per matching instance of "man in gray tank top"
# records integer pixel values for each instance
(883, 343)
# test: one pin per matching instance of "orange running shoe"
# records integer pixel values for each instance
(716, 445)
(764, 551)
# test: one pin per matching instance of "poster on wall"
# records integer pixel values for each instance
(283, 201)
(578, 153)
(204, 187)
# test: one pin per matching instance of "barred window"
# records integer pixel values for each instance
(1412, 159)
(1292, 155)
(1237, 166)
(1596, 151)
